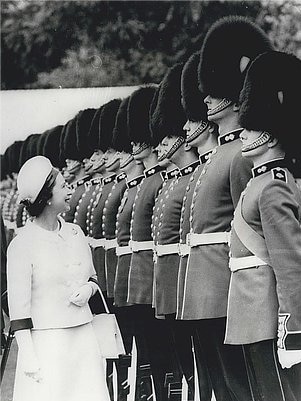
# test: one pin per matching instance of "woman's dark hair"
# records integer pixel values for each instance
(36, 208)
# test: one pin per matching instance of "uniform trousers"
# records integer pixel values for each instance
(185, 338)
(269, 381)
(157, 336)
(226, 363)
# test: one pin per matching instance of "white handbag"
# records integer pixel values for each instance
(107, 333)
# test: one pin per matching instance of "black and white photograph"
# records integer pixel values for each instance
(150, 166)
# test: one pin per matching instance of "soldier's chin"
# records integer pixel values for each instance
(161, 158)
(97, 166)
(220, 107)
(126, 161)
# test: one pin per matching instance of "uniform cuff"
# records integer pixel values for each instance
(21, 324)
(287, 339)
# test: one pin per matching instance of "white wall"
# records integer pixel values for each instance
(25, 112)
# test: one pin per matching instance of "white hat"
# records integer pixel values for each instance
(32, 176)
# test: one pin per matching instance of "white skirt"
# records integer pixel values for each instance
(71, 367)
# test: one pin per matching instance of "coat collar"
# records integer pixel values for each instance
(229, 136)
(134, 182)
(268, 166)
(153, 170)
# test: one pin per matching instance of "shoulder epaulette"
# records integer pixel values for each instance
(279, 174)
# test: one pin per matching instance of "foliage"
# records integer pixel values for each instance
(50, 44)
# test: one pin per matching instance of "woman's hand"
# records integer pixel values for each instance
(81, 296)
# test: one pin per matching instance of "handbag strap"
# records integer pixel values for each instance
(104, 301)
(253, 241)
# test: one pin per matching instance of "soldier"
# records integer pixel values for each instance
(140, 283)
(228, 47)
(266, 232)
(97, 202)
(75, 166)
(166, 217)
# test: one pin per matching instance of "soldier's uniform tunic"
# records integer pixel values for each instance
(78, 188)
(124, 253)
(80, 215)
(264, 291)
(206, 280)
(185, 224)
(166, 222)
(141, 272)
(94, 226)
(109, 227)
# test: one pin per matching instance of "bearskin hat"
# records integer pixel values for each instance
(121, 140)
(83, 122)
(192, 97)
(138, 114)
(12, 154)
(269, 98)
(229, 46)
(107, 122)
(168, 117)
(3, 167)
(51, 145)
(94, 132)
(69, 149)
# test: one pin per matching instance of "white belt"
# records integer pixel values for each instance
(167, 249)
(137, 246)
(245, 262)
(10, 225)
(183, 249)
(110, 243)
(123, 250)
(193, 239)
(96, 243)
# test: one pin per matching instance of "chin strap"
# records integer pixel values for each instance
(223, 104)
(140, 149)
(198, 131)
(261, 140)
(178, 143)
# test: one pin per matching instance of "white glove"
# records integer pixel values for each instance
(288, 358)
(27, 356)
(81, 296)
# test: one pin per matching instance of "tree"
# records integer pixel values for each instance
(48, 44)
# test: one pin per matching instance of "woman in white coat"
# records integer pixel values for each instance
(50, 281)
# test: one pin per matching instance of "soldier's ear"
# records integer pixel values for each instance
(187, 147)
(235, 107)
(273, 142)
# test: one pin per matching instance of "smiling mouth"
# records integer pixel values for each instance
(261, 140)
(223, 104)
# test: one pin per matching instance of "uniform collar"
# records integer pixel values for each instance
(229, 136)
(153, 170)
(120, 177)
(109, 179)
(268, 166)
(167, 175)
(188, 169)
(205, 156)
(96, 180)
(81, 181)
(134, 182)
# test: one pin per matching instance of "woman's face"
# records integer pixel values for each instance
(61, 195)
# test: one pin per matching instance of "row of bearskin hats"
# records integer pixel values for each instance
(221, 68)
